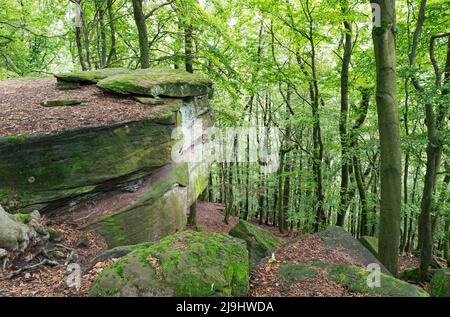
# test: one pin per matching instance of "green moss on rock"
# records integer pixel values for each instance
(23, 218)
(355, 280)
(158, 82)
(187, 263)
(90, 77)
(260, 242)
(440, 283)
(371, 244)
(54, 235)
(149, 101)
(61, 102)
(410, 275)
(39, 170)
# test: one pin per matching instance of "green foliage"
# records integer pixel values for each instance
(440, 283)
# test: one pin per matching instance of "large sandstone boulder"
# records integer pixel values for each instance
(440, 283)
(76, 170)
(90, 77)
(259, 242)
(158, 82)
(338, 237)
(187, 263)
(352, 278)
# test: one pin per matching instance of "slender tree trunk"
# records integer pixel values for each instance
(144, 48)
(434, 125)
(343, 205)
(78, 37)
(286, 196)
(188, 48)
(113, 49)
(101, 16)
(281, 224)
(362, 196)
(389, 130)
(86, 39)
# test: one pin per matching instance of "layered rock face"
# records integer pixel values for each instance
(146, 157)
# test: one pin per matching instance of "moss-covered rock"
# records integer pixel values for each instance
(90, 77)
(337, 237)
(61, 103)
(23, 218)
(149, 101)
(260, 242)
(355, 280)
(40, 170)
(187, 263)
(158, 82)
(15, 235)
(440, 283)
(371, 244)
(55, 235)
(57, 254)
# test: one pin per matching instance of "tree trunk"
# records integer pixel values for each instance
(362, 196)
(389, 130)
(188, 48)
(103, 52)
(192, 215)
(343, 205)
(144, 48)
(113, 50)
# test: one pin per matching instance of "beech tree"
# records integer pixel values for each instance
(389, 130)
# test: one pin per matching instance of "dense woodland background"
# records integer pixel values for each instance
(305, 67)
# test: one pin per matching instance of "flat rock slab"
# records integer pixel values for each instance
(149, 101)
(158, 82)
(61, 102)
(90, 77)
(338, 237)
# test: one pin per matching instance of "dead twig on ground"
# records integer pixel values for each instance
(29, 268)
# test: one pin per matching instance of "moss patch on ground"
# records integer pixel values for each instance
(259, 241)
(291, 273)
(187, 263)
(440, 283)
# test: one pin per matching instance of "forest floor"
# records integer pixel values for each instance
(210, 218)
(50, 281)
(265, 280)
(83, 247)
(28, 117)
